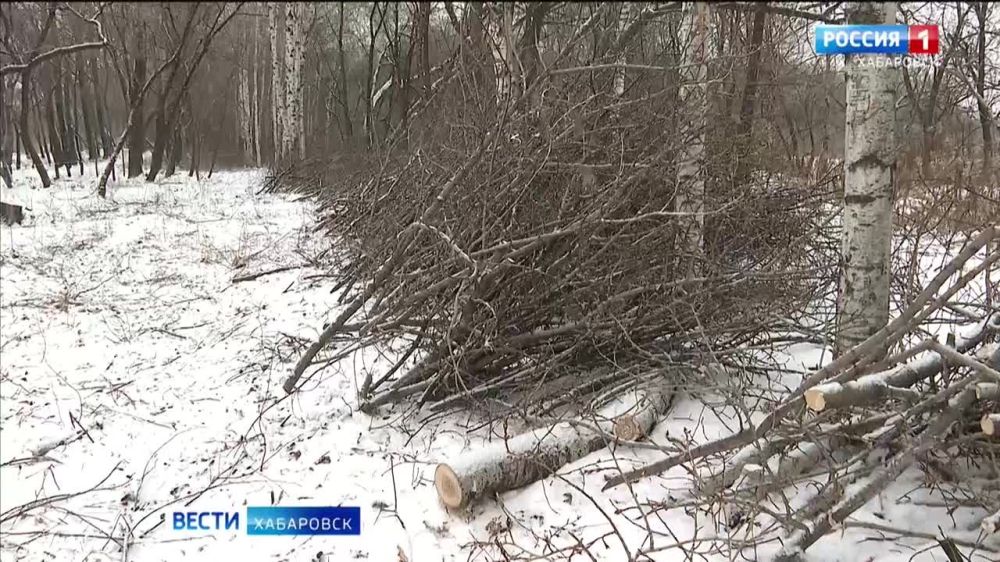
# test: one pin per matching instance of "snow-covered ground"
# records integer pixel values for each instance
(139, 379)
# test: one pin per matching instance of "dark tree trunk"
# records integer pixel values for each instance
(161, 134)
(6, 134)
(984, 111)
(744, 131)
(175, 153)
(55, 143)
(73, 100)
(348, 127)
(137, 128)
(87, 110)
(100, 102)
(63, 129)
(195, 149)
(17, 146)
(29, 146)
(43, 140)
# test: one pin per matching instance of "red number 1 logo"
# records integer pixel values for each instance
(923, 40)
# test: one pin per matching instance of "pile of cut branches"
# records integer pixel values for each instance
(530, 245)
(535, 257)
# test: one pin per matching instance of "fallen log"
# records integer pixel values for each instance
(536, 454)
(987, 390)
(895, 382)
(991, 524)
(991, 424)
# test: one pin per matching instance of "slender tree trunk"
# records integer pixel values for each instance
(291, 116)
(622, 59)
(74, 98)
(422, 25)
(63, 119)
(174, 154)
(161, 136)
(255, 100)
(985, 121)
(6, 134)
(744, 131)
(42, 125)
(86, 109)
(277, 82)
(347, 130)
(17, 145)
(100, 103)
(690, 171)
(55, 142)
(137, 126)
(869, 164)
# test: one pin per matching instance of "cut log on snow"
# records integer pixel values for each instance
(991, 424)
(991, 524)
(536, 454)
(894, 382)
(987, 391)
(11, 213)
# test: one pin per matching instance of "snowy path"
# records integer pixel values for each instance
(121, 318)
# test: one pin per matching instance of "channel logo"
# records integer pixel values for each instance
(876, 40)
(274, 520)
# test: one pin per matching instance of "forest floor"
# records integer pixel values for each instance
(138, 379)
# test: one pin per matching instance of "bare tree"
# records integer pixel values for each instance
(30, 61)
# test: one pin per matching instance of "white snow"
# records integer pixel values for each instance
(121, 317)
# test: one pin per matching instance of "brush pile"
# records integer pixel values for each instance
(534, 257)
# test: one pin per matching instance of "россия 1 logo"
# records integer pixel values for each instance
(876, 40)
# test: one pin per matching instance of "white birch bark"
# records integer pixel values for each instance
(868, 191)
(300, 57)
(288, 114)
(277, 82)
(895, 382)
(990, 424)
(621, 59)
(243, 109)
(528, 457)
(255, 85)
(502, 50)
(690, 192)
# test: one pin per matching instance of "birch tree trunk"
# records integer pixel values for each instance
(255, 85)
(622, 59)
(690, 190)
(869, 162)
(300, 61)
(531, 456)
(291, 114)
(244, 108)
(277, 82)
